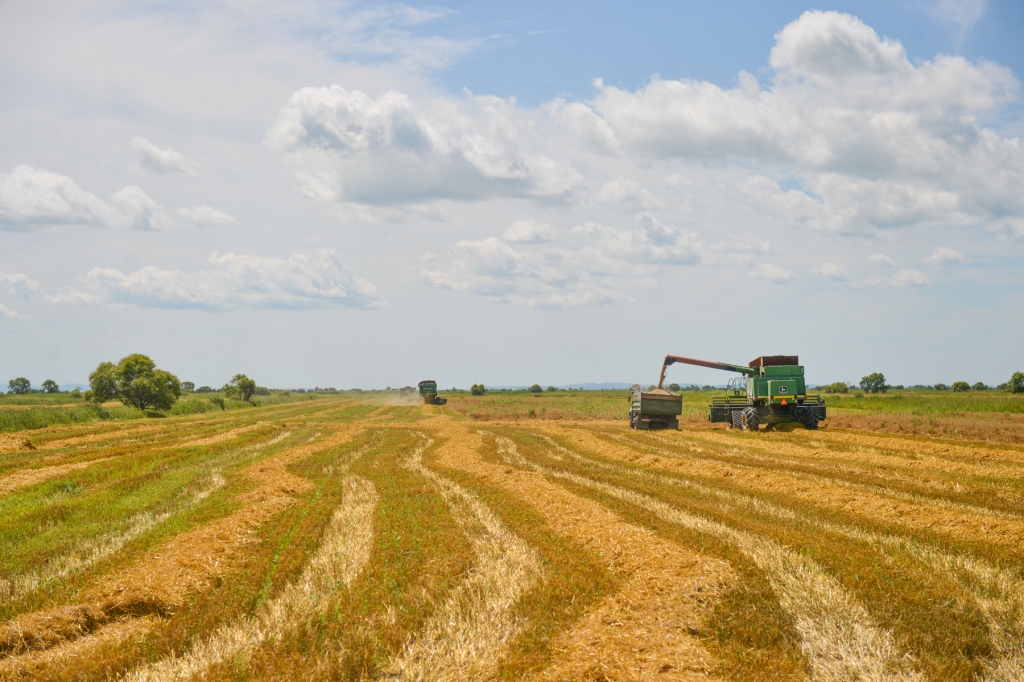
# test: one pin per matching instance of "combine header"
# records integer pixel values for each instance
(774, 393)
(428, 389)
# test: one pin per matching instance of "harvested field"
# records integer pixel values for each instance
(339, 538)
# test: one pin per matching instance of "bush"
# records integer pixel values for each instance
(551, 389)
(218, 401)
(536, 389)
(195, 406)
(961, 387)
(204, 389)
(837, 387)
(477, 389)
(673, 387)
(1016, 383)
(980, 386)
(941, 387)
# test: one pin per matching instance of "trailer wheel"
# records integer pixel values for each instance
(750, 419)
(810, 419)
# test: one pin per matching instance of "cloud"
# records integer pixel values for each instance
(964, 13)
(649, 242)
(529, 232)
(944, 255)
(773, 273)
(877, 142)
(626, 194)
(207, 216)
(164, 161)
(8, 314)
(831, 271)
(882, 259)
(140, 211)
(20, 284)
(910, 278)
(593, 265)
(33, 198)
(349, 148)
(234, 281)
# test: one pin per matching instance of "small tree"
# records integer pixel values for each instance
(980, 386)
(477, 389)
(941, 387)
(50, 386)
(134, 381)
(241, 387)
(837, 387)
(19, 386)
(551, 389)
(961, 387)
(673, 387)
(874, 383)
(188, 386)
(536, 389)
(1016, 383)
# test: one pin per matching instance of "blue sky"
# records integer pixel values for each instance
(355, 194)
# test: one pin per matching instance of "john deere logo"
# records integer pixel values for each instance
(783, 389)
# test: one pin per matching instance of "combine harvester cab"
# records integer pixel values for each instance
(657, 409)
(775, 393)
(428, 390)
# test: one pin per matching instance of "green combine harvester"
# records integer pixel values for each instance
(428, 390)
(774, 392)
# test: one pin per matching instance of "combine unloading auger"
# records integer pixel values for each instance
(775, 393)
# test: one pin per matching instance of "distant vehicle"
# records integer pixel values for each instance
(428, 389)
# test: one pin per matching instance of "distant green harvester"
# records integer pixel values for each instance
(428, 389)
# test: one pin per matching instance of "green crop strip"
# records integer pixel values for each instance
(573, 579)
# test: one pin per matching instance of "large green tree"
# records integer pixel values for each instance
(1016, 384)
(241, 387)
(874, 383)
(50, 386)
(135, 381)
(21, 385)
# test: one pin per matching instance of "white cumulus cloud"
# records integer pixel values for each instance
(529, 232)
(830, 270)
(8, 314)
(234, 281)
(349, 148)
(882, 259)
(208, 216)
(773, 273)
(943, 255)
(164, 161)
(33, 198)
(20, 284)
(910, 278)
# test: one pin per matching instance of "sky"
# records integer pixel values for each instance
(369, 194)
